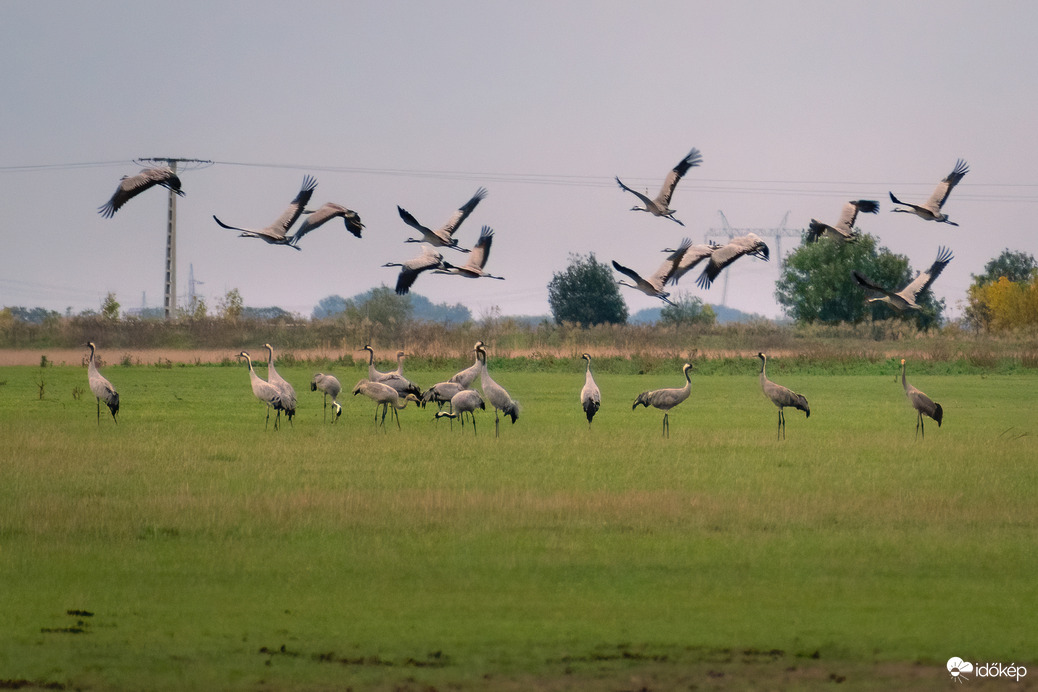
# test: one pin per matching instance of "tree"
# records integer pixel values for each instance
(110, 308)
(329, 307)
(586, 293)
(231, 306)
(382, 306)
(1014, 266)
(1005, 296)
(686, 311)
(816, 283)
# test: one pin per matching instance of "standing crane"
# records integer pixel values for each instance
(467, 376)
(930, 210)
(277, 232)
(384, 397)
(465, 401)
(131, 186)
(497, 395)
(443, 236)
(907, 298)
(590, 396)
(844, 228)
(781, 397)
(653, 285)
(285, 390)
(398, 382)
(329, 386)
(101, 388)
(923, 405)
(325, 213)
(264, 391)
(666, 399)
(660, 206)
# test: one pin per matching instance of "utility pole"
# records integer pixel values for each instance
(169, 304)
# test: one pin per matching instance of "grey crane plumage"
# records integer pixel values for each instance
(100, 387)
(691, 257)
(131, 186)
(923, 405)
(653, 285)
(328, 385)
(465, 401)
(498, 397)
(412, 268)
(443, 236)
(385, 397)
(285, 390)
(749, 244)
(277, 232)
(590, 395)
(315, 218)
(844, 228)
(398, 382)
(666, 399)
(467, 376)
(930, 210)
(781, 397)
(441, 393)
(264, 391)
(474, 267)
(660, 206)
(907, 298)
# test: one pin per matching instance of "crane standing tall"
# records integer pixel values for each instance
(781, 397)
(101, 388)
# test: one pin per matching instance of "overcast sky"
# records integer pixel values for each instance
(796, 107)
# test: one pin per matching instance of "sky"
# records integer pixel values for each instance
(797, 107)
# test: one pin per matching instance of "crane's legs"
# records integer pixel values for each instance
(497, 423)
(781, 425)
(99, 410)
(919, 427)
(397, 416)
(326, 407)
(666, 425)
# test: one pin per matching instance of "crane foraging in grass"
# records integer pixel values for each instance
(465, 401)
(653, 285)
(444, 235)
(907, 298)
(264, 391)
(844, 228)
(781, 397)
(329, 386)
(131, 186)
(385, 397)
(666, 399)
(277, 232)
(930, 210)
(590, 395)
(660, 206)
(100, 387)
(923, 405)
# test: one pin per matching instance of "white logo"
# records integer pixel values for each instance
(957, 667)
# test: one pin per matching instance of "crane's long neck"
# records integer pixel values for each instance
(904, 381)
(763, 375)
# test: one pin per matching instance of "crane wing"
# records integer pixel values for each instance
(463, 212)
(630, 273)
(288, 217)
(694, 158)
(850, 212)
(925, 279)
(481, 252)
(944, 188)
(868, 283)
(671, 264)
(130, 187)
(643, 198)
(412, 221)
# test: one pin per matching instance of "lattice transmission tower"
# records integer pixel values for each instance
(169, 304)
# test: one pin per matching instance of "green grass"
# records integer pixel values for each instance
(215, 555)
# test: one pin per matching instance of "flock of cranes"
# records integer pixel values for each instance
(391, 392)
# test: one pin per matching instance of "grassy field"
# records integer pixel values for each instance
(188, 549)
